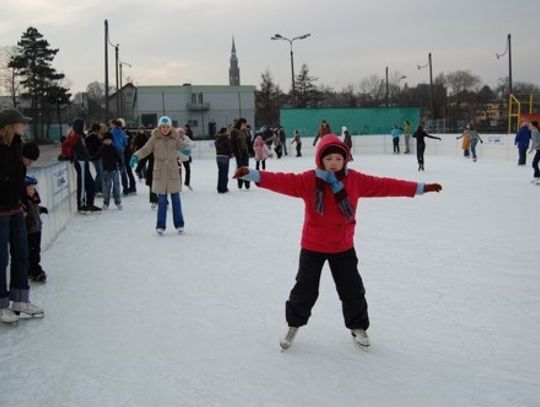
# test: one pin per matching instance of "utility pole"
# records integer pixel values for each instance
(107, 113)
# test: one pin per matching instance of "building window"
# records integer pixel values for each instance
(193, 98)
(149, 120)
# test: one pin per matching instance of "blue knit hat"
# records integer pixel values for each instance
(30, 181)
(164, 121)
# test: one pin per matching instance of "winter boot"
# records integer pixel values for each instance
(288, 339)
(26, 308)
(7, 316)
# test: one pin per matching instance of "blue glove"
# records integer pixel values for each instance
(133, 161)
(186, 151)
(247, 174)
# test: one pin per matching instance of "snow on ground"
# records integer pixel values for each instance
(135, 319)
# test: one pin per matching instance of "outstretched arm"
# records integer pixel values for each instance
(290, 184)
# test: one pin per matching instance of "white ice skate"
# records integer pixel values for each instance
(160, 231)
(119, 206)
(361, 338)
(288, 339)
(7, 316)
(153, 205)
(180, 229)
(27, 308)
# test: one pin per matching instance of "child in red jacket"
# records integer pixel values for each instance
(330, 194)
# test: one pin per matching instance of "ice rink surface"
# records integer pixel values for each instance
(136, 319)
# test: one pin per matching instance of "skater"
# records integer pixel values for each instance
(407, 136)
(13, 239)
(420, 134)
(93, 142)
(239, 140)
(330, 194)
(261, 152)
(522, 141)
(282, 138)
(535, 148)
(324, 129)
(298, 140)
(466, 143)
(33, 211)
(139, 141)
(395, 133)
(165, 144)
(185, 159)
(347, 139)
(223, 157)
(112, 160)
(85, 182)
(475, 138)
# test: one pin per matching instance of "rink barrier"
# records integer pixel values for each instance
(495, 146)
(57, 187)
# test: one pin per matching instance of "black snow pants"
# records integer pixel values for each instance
(349, 285)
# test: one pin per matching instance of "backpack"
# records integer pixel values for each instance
(67, 149)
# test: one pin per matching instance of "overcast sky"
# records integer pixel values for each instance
(176, 41)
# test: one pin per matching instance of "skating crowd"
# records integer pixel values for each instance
(162, 158)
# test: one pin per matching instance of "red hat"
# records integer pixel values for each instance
(331, 144)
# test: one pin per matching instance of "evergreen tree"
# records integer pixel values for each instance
(306, 93)
(267, 101)
(32, 63)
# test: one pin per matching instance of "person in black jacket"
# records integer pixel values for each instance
(223, 155)
(420, 134)
(93, 141)
(13, 243)
(33, 211)
(240, 145)
(111, 160)
(85, 182)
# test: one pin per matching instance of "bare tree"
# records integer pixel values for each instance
(9, 81)
(371, 90)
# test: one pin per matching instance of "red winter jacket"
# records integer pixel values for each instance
(330, 232)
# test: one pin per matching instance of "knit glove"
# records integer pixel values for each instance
(247, 174)
(432, 188)
(133, 161)
(186, 151)
(43, 209)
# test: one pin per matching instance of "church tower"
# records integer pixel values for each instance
(234, 71)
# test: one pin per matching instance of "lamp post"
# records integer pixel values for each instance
(509, 51)
(116, 49)
(281, 37)
(121, 95)
(430, 83)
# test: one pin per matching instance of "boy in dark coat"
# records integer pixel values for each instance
(33, 210)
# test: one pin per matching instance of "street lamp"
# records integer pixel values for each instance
(509, 50)
(430, 83)
(121, 95)
(281, 37)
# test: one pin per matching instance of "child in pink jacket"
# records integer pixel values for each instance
(262, 152)
(330, 194)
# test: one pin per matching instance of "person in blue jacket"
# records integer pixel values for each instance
(522, 140)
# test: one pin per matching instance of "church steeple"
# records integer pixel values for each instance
(234, 70)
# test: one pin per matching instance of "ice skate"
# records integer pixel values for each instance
(288, 339)
(153, 205)
(119, 206)
(180, 229)
(27, 308)
(7, 316)
(105, 207)
(160, 231)
(361, 338)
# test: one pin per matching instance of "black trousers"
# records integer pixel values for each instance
(349, 285)
(187, 167)
(420, 149)
(243, 161)
(34, 254)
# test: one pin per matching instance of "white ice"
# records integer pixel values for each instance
(135, 319)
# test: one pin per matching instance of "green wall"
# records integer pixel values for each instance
(357, 120)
